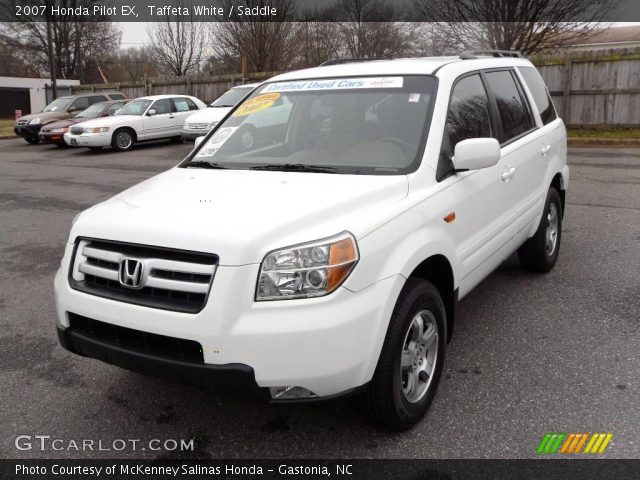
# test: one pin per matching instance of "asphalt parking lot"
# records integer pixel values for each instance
(530, 354)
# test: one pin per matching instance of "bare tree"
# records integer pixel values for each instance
(369, 30)
(268, 45)
(132, 64)
(78, 47)
(529, 26)
(178, 46)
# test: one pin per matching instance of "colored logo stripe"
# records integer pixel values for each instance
(573, 443)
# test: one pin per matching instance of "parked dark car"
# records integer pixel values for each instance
(54, 132)
(28, 126)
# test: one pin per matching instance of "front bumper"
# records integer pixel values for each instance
(192, 134)
(234, 377)
(88, 139)
(49, 137)
(24, 131)
(327, 345)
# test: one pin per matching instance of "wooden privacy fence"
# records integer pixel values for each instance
(206, 88)
(597, 88)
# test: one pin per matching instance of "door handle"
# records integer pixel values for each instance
(171, 116)
(508, 173)
(545, 150)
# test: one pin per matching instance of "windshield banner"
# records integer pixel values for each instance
(335, 84)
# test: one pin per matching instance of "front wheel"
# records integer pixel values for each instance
(122, 140)
(540, 252)
(412, 358)
(32, 140)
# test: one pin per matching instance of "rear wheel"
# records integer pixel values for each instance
(540, 252)
(32, 140)
(412, 358)
(122, 139)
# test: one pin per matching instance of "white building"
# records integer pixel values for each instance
(28, 94)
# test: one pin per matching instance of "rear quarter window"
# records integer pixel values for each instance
(540, 94)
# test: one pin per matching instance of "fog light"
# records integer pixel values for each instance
(291, 393)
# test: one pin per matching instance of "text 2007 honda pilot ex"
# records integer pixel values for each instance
(328, 254)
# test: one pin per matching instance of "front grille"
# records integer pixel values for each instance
(76, 130)
(168, 279)
(197, 126)
(136, 340)
(22, 122)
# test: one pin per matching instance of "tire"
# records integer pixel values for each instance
(122, 139)
(540, 253)
(395, 401)
(32, 140)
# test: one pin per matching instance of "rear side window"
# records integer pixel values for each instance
(184, 104)
(540, 94)
(512, 106)
(97, 98)
(468, 114)
(116, 96)
(80, 103)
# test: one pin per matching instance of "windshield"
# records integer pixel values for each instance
(93, 111)
(368, 125)
(135, 107)
(58, 105)
(231, 97)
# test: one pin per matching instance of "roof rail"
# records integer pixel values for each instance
(340, 61)
(472, 54)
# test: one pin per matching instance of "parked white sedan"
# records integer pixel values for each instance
(200, 123)
(145, 118)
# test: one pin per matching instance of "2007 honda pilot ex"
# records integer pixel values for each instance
(318, 240)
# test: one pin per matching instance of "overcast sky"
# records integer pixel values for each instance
(134, 34)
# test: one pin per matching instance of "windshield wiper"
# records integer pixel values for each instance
(295, 167)
(202, 164)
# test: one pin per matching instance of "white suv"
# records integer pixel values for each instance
(329, 256)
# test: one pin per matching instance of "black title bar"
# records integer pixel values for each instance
(319, 10)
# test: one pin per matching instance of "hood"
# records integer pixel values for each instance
(208, 115)
(112, 121)
(47, 116)
(64, 123)
(241, 215)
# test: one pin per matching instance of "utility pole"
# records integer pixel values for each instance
(78, 50)
(52, 66)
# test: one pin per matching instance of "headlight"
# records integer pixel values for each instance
(35, 121)
(307, 270)
(59, 130)
(212, 124)
(95, 130)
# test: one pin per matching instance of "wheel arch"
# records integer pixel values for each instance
(438, 270)
(559, 184)
(126, 127)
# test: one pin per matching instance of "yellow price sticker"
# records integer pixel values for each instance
(257, 104)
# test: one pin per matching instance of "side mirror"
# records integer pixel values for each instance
(151, 112)
(197, 142)
(72, 109)
(476, 153)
